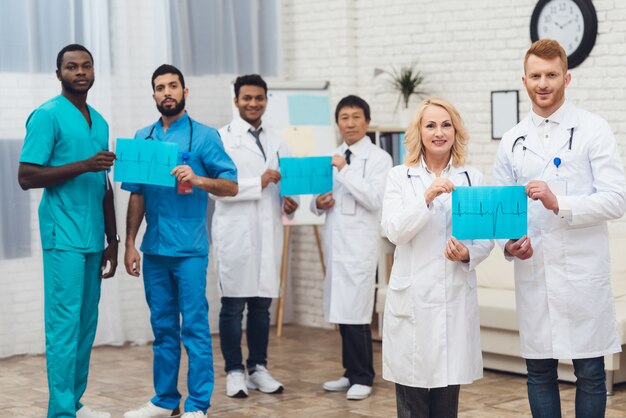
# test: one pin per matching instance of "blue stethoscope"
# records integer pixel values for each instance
(185, 155)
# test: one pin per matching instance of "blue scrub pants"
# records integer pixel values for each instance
(176, 286)
(71, 296)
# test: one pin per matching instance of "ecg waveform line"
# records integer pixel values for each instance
(151, 161)
(494, 214)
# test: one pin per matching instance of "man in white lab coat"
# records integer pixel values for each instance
(247, 234)
(569, 162)
(351, 240)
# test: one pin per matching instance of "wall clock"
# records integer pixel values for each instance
(573, 23)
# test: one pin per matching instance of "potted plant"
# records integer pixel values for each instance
(408, 81)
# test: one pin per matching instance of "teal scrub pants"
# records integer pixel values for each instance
(71, 296)
(175, 287)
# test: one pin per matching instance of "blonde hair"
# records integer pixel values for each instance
(413, 137)
(547, 49)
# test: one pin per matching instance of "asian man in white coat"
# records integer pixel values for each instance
(247, 234)
(569, 162)
(351, 242)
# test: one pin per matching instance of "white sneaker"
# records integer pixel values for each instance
(236, 384)
(358, 392)
(196, 414)
(86, 412)
(339, 385)
(150, 410)
(262, 380)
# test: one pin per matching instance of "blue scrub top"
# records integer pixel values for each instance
(71, 216)
(177, 224)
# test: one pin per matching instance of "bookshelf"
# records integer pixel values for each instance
(390, 139)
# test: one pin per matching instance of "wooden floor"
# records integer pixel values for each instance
(121, 379)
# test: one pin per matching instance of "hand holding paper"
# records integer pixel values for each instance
(456, 251)
(269, 176)
(539, 190)
(521, 248)
(438, 187)
(100, 161)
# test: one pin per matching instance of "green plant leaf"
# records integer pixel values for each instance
(407, 80)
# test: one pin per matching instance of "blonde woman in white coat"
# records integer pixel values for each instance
(431, 333)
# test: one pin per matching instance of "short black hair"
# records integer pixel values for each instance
(352, 101)
(168, 69)
(249, 80)
(70, 48)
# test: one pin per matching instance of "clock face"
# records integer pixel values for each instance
(562, 20)
(572, 23)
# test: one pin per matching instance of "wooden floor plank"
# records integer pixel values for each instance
(121, 379)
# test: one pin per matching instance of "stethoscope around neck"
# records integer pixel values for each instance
(521, 139)
(150, 137)
(408, 175)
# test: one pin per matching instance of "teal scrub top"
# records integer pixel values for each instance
(71, 216)
(177, 223)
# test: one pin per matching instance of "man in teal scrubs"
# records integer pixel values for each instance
(66, 152)
(176, 249)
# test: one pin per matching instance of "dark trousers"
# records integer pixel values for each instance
(543, 388)
(257, 331)
(356, 353)
(427, 403)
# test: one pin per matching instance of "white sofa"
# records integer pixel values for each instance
(498, 318)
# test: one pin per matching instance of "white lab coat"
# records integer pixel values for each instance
(247, 230)
(431, 332)
(352, 234)
(563, 292)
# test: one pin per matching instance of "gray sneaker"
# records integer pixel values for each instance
(340, 385)
(86, 412)
(263, 381)
(236, 384)
(358, 392)
(150, 410)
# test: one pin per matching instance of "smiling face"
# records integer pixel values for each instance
(76, 72)
(251, 103)
(545, 81)
(437, 132)
(352, 124)
(169, 94)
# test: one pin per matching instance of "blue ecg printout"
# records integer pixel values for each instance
(145, 161)
(489, 212)
(305, 175)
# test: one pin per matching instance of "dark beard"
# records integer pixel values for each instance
(172, 111)
(68, 87)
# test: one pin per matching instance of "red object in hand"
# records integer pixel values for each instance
(184, 188)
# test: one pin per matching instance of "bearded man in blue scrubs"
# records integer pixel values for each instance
(66, 152)
(175, 248)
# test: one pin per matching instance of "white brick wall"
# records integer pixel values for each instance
(465, 49)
